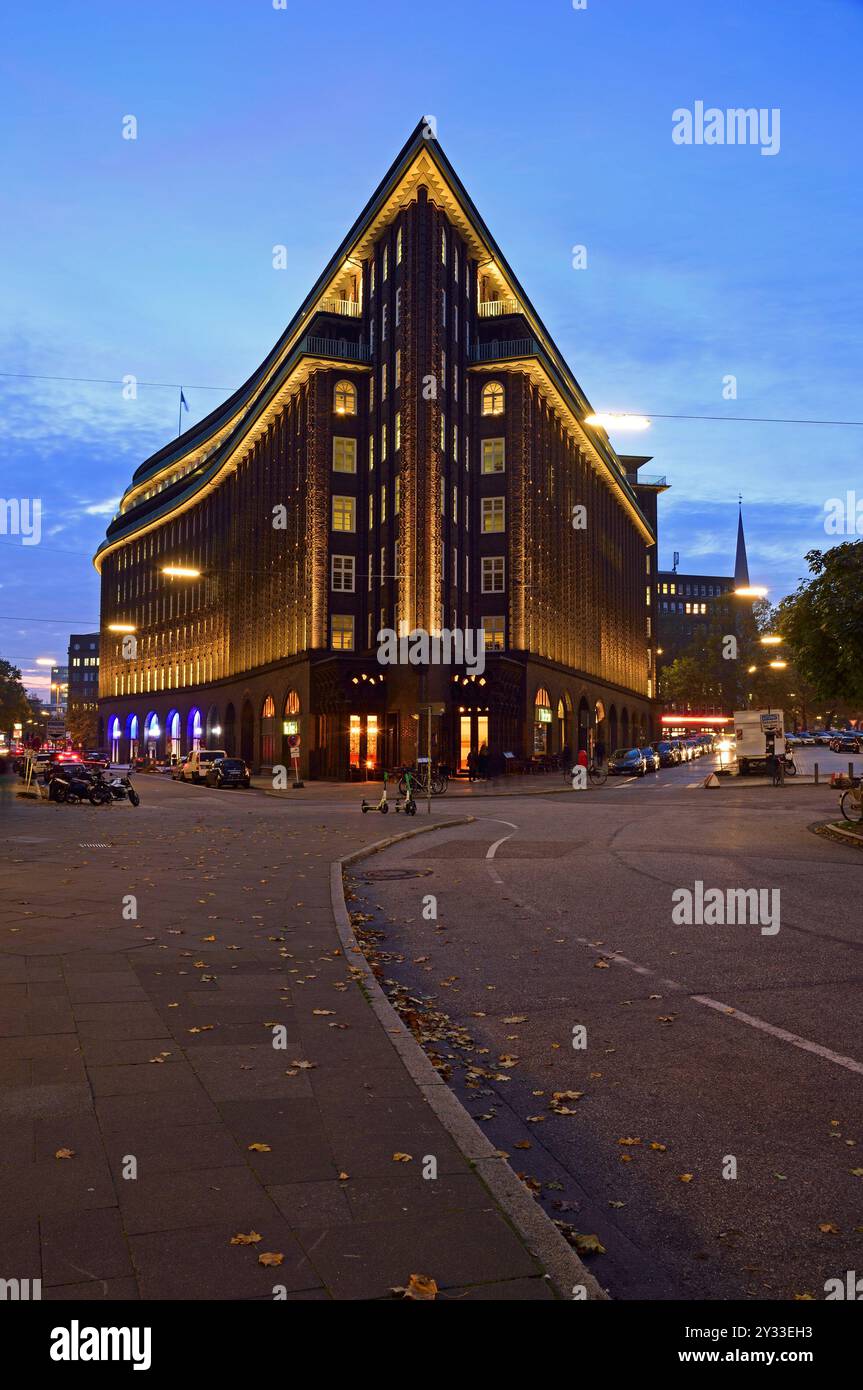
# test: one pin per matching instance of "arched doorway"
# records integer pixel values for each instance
(132, 736)
(247, 733)
(583, 724)
(114, 728)
(194, 729)
(268, 732)
(213, 728)
(601, 735)
(541, 721)
(230, 734)
(612, 730)
(152, 734)
(290, 724)
(172, 729)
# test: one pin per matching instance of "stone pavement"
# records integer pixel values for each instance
(141, 1048)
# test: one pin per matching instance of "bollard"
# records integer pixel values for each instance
(816, 774)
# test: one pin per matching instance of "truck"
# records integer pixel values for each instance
(759, 733)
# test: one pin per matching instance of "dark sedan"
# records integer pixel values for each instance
(228, 772)
(627, 762)
(669, 755)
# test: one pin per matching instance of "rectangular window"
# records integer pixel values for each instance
(398, 307)
(455, 567)
(442, 497)
(371, 510)
(385, 268)
(383, 503)
(455, 322)
(397, 500)
(493, 574)
(342, 632)
(455, 263)
(493, 514)
(466, 574)
(383, 381)
(344, 455)
(372, 278)
(384, 324)
(493, 455)
(383, 443)
(342, 574)
(399, 246)
(495, 633)
(455, 504)
(398, 443)
(443, 432)
(344, 515)
(443, 246)
(371, 453)
(398, 381)
(443, 307)
(455, 442)
(383, 573)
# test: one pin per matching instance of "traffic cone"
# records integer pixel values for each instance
(711, 780)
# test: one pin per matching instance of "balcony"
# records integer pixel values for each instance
(497, 308)
(350, 308)
(331, 347)
(496, 351)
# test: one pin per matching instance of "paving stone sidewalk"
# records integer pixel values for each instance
(145, 1045)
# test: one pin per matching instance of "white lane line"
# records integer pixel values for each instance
(492, 850)
(796, 1041)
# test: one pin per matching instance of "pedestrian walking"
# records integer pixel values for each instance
(482, 762)
(600, 753)
(471, 765)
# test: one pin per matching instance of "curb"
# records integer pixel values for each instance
(828, 831)
(540, 1236)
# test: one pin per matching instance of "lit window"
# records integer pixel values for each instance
(443, 246)
(384, 324)
(455, 569)
(342, 574)
(455, 442)
(383, 443)
(398, 367)
(493, 514)
(455, 504)
(371, 510)
(384, 381)
(344, 514)
(372, 279)
(398, 443)
(495, 632)
(493, 574)
(371, 453)
(344, 455)
(342, 632)
(383, 502)
(399, 246)
(398, 307)
(492, 398)
(398, 495)
(443, 432)
(443, 307)
(345, 398)
(493, 455)
(385, 265)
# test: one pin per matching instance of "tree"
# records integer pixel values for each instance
(15, 707)
(822, 624)
(82, 726)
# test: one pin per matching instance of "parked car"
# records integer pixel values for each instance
(228, 772)
(199, 762)
(669, 756)
(628, 762)
(823, 736)
(847, 741)
(651, 758)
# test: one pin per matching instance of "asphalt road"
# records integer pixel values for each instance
(725, 1044)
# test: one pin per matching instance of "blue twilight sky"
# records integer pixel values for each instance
(260, 125)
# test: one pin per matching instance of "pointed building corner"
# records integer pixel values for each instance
(741, 564)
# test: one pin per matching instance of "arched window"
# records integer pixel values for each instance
(492, 398)
(541, 721)
(268, 732)
(345, 398)
(292, 704)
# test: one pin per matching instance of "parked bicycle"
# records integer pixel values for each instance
(439, 780)
(851, 803)
(597, 773)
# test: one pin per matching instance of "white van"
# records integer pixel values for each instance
(198, 764)
(758, 733)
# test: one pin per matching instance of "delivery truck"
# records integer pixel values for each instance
(759, 733)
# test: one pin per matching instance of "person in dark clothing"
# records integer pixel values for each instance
(566, 757)
(471, 766)
(600, 753)
(482, 763)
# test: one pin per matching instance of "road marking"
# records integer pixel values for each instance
(492, 849)
(796, 1041)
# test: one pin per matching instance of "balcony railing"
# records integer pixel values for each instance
(513, 347)
(349, 307)
(495, 308)
(332, 347)
(652, 482)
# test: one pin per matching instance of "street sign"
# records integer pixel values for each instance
(294, 745)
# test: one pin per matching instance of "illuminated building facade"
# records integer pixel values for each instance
(412, 454)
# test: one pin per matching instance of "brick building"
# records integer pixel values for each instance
(411, 455)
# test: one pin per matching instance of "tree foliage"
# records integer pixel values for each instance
(15, 707)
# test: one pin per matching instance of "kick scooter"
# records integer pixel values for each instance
(378, 805)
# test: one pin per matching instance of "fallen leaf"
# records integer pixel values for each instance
(251, 1239)
(259, 1148)
(402, 1158)
(270, 1258)
(420, 1287)
(65, 1153)
(685, 1177)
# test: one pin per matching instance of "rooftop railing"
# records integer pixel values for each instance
(512, 347)
(349, 307)
(335, 347)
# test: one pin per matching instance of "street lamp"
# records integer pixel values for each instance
(181, 572)
(121, 627)
(771, 641)
(751, 591)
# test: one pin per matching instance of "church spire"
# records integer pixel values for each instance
(741, 564)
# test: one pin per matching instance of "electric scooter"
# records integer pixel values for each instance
(381, 805)
(410, 806)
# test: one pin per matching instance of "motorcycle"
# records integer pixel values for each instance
(66, 786)
(121, 789)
